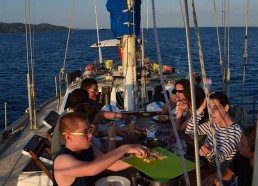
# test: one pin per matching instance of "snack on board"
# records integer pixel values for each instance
(162, 117)
(160, 156)
(154, 155)
(150, 159)
(153, 152)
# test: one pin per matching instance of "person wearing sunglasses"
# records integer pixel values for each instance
(180, 103)
(91, 85)
(79, 161)
(181, 88)
(76, 97)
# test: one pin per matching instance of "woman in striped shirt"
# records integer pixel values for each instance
(227, 133)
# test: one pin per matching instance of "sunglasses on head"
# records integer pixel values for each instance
(175, 91)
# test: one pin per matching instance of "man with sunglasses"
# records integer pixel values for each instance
(91, 85)
(79, 161)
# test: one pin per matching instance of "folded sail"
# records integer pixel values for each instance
(122, 19)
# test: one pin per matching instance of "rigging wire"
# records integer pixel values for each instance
(97, 27)
(165, 95)
(33, 93)
(225, 46)
(182, 12)
(245, 49)
(241, 115)
(62, 70)
(206, 90)
(30, 66)
(192, 85)
(218, 37)
(228, 68)
(143, 70)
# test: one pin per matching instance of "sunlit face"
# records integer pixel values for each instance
(82, 141)
(93, 92)
(218, 111)
(180, 95)
(244, 147)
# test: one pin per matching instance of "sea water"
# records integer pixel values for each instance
(49, 52)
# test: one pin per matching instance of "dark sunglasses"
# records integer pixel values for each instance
(175, 91)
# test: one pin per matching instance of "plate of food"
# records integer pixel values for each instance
(161, 118)
(113, 181)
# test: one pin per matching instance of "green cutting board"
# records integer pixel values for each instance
(161, 170)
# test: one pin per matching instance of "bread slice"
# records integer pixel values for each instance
(153, 152)
(160, 156)
(150, 159)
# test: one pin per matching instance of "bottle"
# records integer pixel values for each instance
(151, 129)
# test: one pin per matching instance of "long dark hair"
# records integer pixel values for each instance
(87, 110)
(199, 93)
(250, 134)
(221, 97)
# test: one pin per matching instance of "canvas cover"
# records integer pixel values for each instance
(119, 15)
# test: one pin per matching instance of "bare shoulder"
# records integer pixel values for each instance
(63, 160)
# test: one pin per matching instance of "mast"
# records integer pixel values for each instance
(97, 26)
(129, 70)
(125, 25)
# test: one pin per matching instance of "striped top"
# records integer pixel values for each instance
(227, 140)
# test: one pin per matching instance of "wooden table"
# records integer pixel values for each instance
(164, 133)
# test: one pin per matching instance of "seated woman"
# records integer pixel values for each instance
(79, 161)
(242, 165)
(93, 118)
(180, 103)
(227, 132)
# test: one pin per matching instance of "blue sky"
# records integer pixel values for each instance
(168, 12)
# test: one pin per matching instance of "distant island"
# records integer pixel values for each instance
(20, 27)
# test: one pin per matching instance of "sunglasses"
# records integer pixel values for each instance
(83, 133)
(175, 91)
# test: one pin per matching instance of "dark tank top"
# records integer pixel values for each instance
(87, 156)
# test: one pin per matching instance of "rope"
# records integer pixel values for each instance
(97, 26)
(245, 50)
(228, 72)
(241, 116)
(165, 95)
(30, 65)
(225, 46)
(62, 70)
(182, 12)
(217, 29)
(206, 90)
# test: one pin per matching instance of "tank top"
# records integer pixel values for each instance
(87, 156)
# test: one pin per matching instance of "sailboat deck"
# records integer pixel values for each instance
(12, 161)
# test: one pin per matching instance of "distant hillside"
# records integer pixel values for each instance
(20, 27)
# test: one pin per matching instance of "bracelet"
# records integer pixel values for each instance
(111, 139)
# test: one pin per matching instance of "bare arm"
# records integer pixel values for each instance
(67, 165)
(172, 102)
(111, 115)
